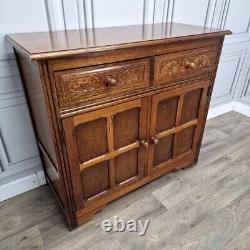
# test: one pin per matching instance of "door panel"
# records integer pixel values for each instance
(166, 114)
(184, 140)
(126, 166)
(163, 150)
(191, 105)
(126, 127)
(95, 179)
(104, 149)
(89, 133)
(176, 121)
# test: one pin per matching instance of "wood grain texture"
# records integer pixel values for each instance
(221, 227)
(38, 105)
(107, 143)
(29, 239)
(184, 64)
(81, 85)
(42, 45)
(134, 52)
(168, 110)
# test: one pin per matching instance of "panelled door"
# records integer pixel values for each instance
(176, 122)
(105, 149)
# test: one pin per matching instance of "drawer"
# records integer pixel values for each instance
(184, 65)
(77, 86)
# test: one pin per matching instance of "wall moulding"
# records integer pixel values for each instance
(228, 82)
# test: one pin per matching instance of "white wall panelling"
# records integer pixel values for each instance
(230, 67)
(19, 160)
(20, 168)
(18, 150)
(220, 109)
(243, 91)
(242, 108)
(55, 14)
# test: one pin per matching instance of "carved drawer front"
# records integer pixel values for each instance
(77, 86)
(184, 65)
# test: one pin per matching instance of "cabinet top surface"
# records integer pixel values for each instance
(44, 45)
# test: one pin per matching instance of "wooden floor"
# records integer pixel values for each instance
(206, 207)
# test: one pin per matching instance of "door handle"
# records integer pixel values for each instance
(144, 143)
(154, 140)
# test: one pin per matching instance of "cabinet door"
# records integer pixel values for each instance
(177, 119)
(104, 149)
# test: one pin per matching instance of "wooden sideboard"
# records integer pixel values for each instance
(115, 108)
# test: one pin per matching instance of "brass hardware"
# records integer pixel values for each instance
(110, 82)
(190, 65)
(154, 140)
(144, 143)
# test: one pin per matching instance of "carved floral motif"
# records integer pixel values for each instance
(179, 66)
(75, 87)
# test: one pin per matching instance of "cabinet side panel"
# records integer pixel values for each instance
(34, 93)
(41, 117)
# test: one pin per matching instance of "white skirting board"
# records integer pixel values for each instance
(22, 185)
(37, 179)
(239, 107)
(220, 109)
(242, 108)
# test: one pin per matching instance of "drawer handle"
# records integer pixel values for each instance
(110, 82)
(144, 143)
(154, 140)
(190, 65)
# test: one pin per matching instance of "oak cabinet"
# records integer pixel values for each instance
(117, 112)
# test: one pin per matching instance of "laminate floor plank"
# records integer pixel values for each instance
(217, 230)
(216, 150)
(229, 122)
(28, 239)
(205, 207)
(240, 242)
(25, 211)
(196, 207)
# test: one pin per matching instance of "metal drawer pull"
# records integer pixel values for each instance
(190, 65)
(110, 82)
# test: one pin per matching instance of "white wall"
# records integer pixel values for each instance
(20, 167)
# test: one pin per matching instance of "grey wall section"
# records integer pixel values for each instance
(18, 151)
(20, 167)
